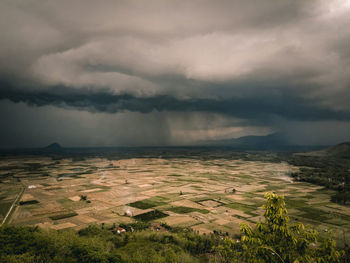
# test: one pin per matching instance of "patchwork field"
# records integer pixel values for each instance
(206, 195)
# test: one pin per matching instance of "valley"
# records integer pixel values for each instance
(205, 193)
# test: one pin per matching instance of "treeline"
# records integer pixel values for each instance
(332, 173)
(274, 240)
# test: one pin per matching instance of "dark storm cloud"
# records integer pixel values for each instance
(254, 109)
(267, 63)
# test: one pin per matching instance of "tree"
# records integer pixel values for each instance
(278, 240)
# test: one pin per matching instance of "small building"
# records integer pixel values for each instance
(118, 230)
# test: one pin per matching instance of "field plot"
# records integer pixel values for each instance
(207, 195)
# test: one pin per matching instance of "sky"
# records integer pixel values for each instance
(161, 72)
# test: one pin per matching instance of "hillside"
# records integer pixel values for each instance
(341, 150)
(275, 140)
(271, 142)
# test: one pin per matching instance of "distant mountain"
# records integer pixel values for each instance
(341, 150)
(54, 146)
(271, 142)
(274, 141)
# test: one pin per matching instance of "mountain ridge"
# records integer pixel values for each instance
(270, 142)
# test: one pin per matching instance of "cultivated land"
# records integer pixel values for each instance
(206, 195)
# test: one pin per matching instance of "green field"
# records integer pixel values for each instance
(185, 210)
(147, 203)
(151, 215)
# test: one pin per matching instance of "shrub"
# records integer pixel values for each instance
(62, 216)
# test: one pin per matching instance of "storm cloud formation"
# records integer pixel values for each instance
(182, 71)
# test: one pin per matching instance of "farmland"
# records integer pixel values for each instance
(205, 194)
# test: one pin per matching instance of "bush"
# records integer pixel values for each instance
(29, 202)
(62, 216)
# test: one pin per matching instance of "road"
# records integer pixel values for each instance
(15, 202)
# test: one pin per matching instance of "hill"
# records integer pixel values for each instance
(54, 146)
(270, 142)
(341, 150)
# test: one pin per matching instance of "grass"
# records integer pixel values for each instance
(249, 195)
(77, 169)
(240, 217)
(4, 207)
(198, 200)
(93, 186)
(248, 209)
(313, 213)
(70, 175)
(53, 188)
(65, 201)
(62, 216)
(151, 215)
(336, 221)
(190, 180)
(295, 203)
(215, 199)
(140, 171)
(185, 210)
(274, 187)
(71, 205)
(341, 216)
(19, 196)
(148, 203)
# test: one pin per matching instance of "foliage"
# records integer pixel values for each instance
(29, 202)
(278, 240)
(62, 216)
(137, 226)
(151, 215)
(332, 173)
(94, 244)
